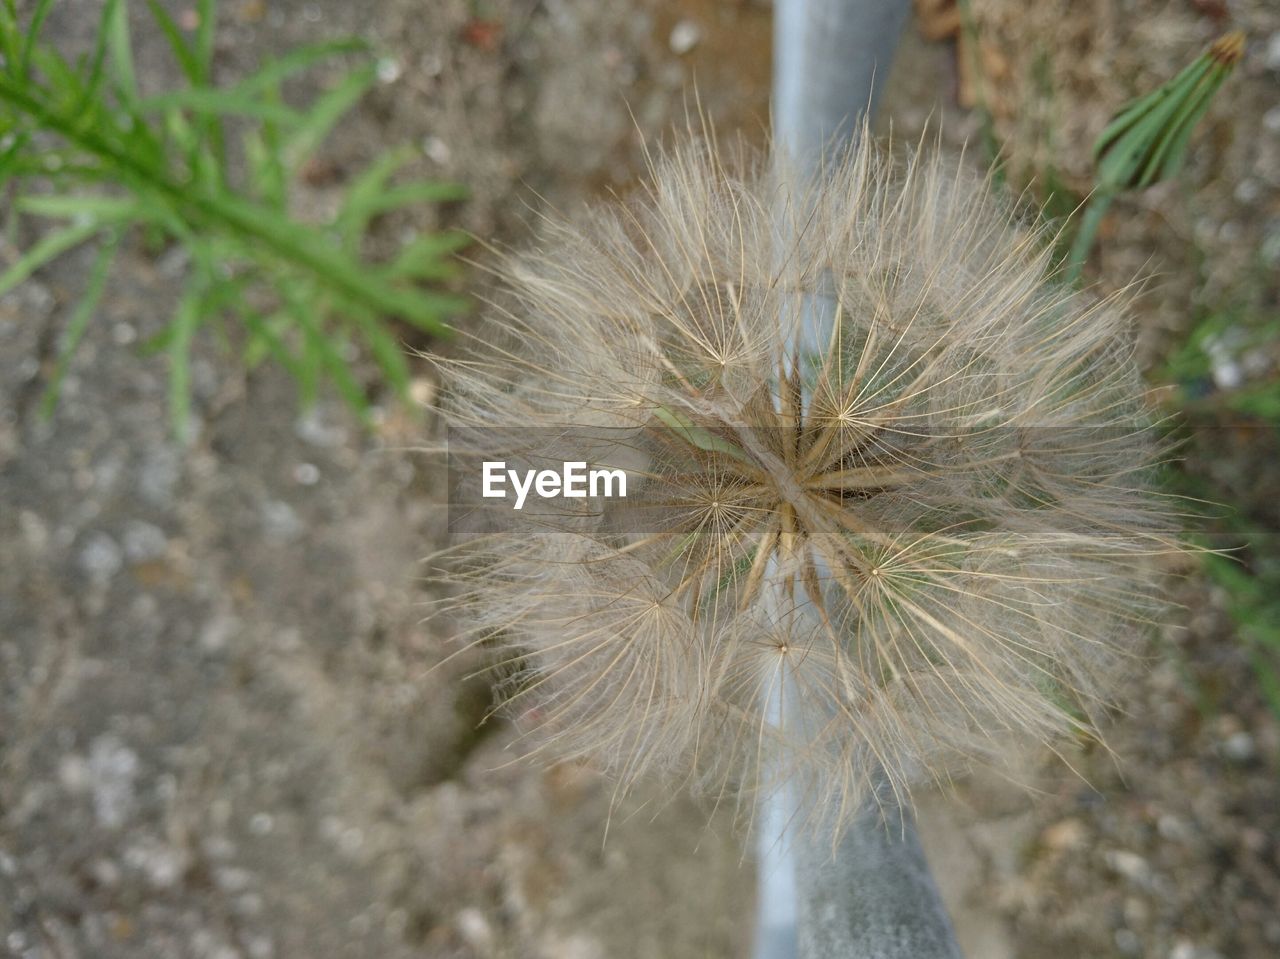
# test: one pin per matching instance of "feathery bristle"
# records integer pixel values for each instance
(933, 530)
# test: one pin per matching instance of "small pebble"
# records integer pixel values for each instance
(280, 522)
(422, 391)
(436, 150)
(34, 531)
(1130, 865)
(100, 557)
(1247, 191)
(1067, 834)
(474, 930)
(431, 64)
(217, 632)
(144, 541)
(232, 879)
(1127, 942)
(1239, 747)
(113, 768)
(1174, 829)
(388, 70)
(315, 428)
(685, 35)
(260, 947)
(1272, 58)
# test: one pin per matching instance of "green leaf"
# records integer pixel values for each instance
(62, 84)
(298, 243)
(364, 191)
(265, 341)
(267, 173)
(411, 193)
(206, 12)
(163, 167)
(98, 209)
(93, 79)
(324, 113)
(10, 37)
(326, 355)
(370, 196)
(386, 350)
(423, 258)
(182, 330)
(33, 35)
(80, 321)
(50, 246)
(220, 103)
(182, 50)
(12, 158)
(274, 72)
(121, 51)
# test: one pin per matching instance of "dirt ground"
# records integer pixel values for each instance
(220, 732)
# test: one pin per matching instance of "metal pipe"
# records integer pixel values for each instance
(865, 893)
(830, 60)
(870, 894)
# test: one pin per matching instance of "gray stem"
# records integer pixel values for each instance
(868, 895)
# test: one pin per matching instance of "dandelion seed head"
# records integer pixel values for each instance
(932, 526)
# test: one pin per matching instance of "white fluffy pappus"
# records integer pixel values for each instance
(931, 532)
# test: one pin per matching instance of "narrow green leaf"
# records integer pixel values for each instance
(274, 72)
(51, 246)
(298, 243)
(411, 193)
(10, 38)
(266, 173)
(11, 159)
(120, 48)
(61, 85)
(423, 258)
(182, 330)
(327, 355)
(93, 79)
(325, 112)
(207, 14)
(386, 350)
(182, 51)
(265, 341)
(99, 209)
(80, 321)
(33, 35)
(220, 103)
(363, 193)
(427, 311)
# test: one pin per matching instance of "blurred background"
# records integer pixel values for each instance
(220, 731)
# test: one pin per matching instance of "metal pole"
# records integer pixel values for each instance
(830, 59)
(870, 895)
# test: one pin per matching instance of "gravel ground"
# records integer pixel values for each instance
(221, 733)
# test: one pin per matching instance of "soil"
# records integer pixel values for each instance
(225, 730)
